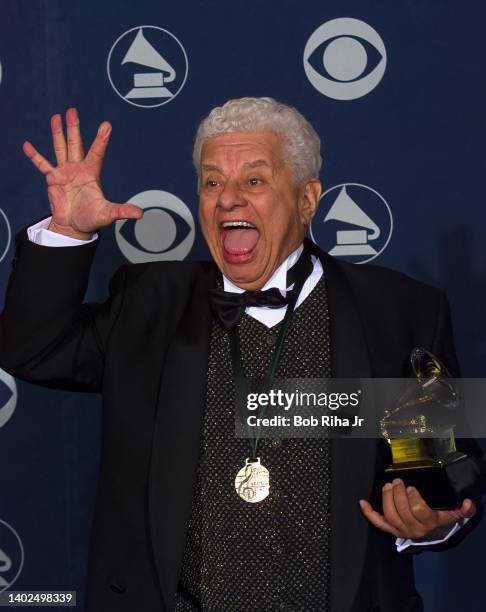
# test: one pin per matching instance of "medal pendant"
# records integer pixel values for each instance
(252, 483)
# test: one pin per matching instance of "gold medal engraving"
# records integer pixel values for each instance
(252, 483)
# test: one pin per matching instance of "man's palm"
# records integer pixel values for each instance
(77, 202)
(76, 197)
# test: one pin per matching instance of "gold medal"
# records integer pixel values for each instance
(252, 483)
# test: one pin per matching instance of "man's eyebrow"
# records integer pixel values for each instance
(252, 164)
(210, 168)
(257, 163)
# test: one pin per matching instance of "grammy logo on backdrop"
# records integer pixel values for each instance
(148, 84)
(352, 241)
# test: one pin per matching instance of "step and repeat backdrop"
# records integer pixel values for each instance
(396, 91)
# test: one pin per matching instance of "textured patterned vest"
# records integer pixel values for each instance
(273, 555)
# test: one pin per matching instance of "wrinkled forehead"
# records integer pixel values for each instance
(236, 150)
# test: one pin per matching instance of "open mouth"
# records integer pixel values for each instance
(239, 239)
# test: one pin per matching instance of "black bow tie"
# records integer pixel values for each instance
(229, 307)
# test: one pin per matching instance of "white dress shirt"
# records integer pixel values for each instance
(39, 234)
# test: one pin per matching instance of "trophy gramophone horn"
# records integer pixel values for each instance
(419, 429)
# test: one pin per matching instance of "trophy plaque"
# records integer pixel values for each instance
(420, 432)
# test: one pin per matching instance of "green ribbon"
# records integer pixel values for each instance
(303, 269)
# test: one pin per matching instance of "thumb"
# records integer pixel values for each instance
(468, 508)
(124, 211)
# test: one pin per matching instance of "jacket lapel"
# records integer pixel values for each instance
(352, 460)
(177, 431)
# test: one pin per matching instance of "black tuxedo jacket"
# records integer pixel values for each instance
(146, 350)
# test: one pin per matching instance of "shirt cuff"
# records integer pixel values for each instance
(39, 234)
(403, 543)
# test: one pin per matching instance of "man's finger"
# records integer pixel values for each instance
(74, 142)
(39, 161)
(97, 150)
(420, 508)
(389, 509)
(58, 140)
(468, 508)
(403, 507)
(377, 519)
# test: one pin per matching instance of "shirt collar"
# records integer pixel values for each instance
(278, 278)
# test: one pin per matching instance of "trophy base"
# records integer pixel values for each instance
(443, 483)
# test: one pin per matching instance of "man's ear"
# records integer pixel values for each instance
(309, 200)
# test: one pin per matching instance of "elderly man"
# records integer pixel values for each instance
(171, 529)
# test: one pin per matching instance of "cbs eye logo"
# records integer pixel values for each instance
(5, 231)
(11, 555)
(344, 58)
(8, 397)
(166, 231)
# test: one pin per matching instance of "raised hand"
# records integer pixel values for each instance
(78, 205)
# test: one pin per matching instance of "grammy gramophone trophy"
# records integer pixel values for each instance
(420, 432)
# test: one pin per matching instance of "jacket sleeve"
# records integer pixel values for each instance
(48, 336)
(443, 348)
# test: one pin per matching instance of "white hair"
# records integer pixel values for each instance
(301, 144)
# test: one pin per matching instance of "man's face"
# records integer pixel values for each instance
(251, 213)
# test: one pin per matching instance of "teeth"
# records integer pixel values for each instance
(237, 224)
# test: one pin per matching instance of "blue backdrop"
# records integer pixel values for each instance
(397, 94)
